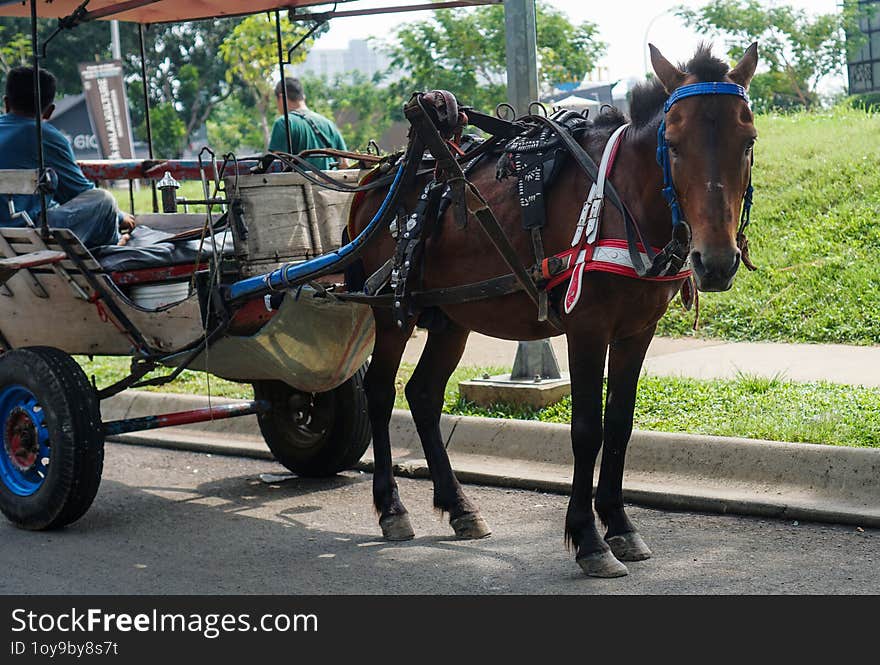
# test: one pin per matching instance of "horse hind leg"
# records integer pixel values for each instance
(379, 387)
(624, 366)
(425, 392)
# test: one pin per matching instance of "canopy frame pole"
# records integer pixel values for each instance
(38, 121)
(319, 22)
(147, 110)
(432, 6)
(281, 64)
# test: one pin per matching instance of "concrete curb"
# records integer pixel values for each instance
(672, 471)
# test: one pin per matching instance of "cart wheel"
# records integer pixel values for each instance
(53, 441)
(315, 434)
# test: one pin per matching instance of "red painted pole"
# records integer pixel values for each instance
(221, 412)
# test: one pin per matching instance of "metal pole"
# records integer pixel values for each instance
(115, 46)
(147, 110)
(117, 427)
(533, 359)
(283, 86)
(521, 30)
(38, 114)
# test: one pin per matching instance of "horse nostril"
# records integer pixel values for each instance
(697, 263)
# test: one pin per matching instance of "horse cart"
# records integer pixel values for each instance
(156, 300)
(243, 291)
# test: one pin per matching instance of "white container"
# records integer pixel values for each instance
(154, 296)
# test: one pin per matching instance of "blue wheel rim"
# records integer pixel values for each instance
(26, 452)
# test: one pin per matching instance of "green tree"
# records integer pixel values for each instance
(797, 50)
(169, 131)
(464, 51)
(362, 110)
(234, 126)
(251, 55)
(15, 49)
(184, 74)
(183, 70)
(67, 50)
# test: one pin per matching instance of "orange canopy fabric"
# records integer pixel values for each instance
(163, 11)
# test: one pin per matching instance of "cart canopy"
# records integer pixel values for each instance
(153, 11)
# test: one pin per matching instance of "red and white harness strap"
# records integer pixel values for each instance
(588, 253)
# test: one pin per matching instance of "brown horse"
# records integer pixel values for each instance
(710, 144)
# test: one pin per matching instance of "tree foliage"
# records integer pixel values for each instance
(15, 49)
(233, 127)
(251, 56)
(88, 42)
(797, 50)
(362, 110)
(183, 70)
(169, 131)
(464, 51)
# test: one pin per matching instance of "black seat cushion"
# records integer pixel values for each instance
(151, 248)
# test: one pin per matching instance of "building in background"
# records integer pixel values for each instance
(864, 65)
(71, 118)
(331, 63)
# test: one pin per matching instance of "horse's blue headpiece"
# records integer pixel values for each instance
(693, 90)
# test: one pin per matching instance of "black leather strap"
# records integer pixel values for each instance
(453, 295)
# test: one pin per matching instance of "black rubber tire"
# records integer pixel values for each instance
(73, 417)
(317, 434)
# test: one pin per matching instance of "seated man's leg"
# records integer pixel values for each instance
(93, 216)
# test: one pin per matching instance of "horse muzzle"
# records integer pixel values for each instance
(714, 271)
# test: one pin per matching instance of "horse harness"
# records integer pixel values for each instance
(532, 149)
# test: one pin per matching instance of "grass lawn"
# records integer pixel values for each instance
(815, 237)
(749, 407)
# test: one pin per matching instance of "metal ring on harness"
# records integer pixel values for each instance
(542, 110)
(509, 113)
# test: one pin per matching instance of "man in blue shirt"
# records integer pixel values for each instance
(75, 204)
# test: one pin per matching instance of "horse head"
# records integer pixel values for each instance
(707, 138)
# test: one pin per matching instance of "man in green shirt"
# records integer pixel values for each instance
(308, 130)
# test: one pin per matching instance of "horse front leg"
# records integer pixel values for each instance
(425, 393)
(624, 366)
(380, 391)
(586, 353)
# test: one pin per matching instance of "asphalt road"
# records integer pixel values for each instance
(184, 523)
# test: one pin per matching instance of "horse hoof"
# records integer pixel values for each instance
(397, 527)
(470, 526)
(602, 564)
(629, 547)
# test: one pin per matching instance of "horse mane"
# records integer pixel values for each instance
(647, 99)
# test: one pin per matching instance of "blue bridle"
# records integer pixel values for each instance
(694, 90)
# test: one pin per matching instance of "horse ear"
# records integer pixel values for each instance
(670, 76)
(745, 69)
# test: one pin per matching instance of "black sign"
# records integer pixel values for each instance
(104, 88)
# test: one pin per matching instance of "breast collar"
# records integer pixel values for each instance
(587, 252)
